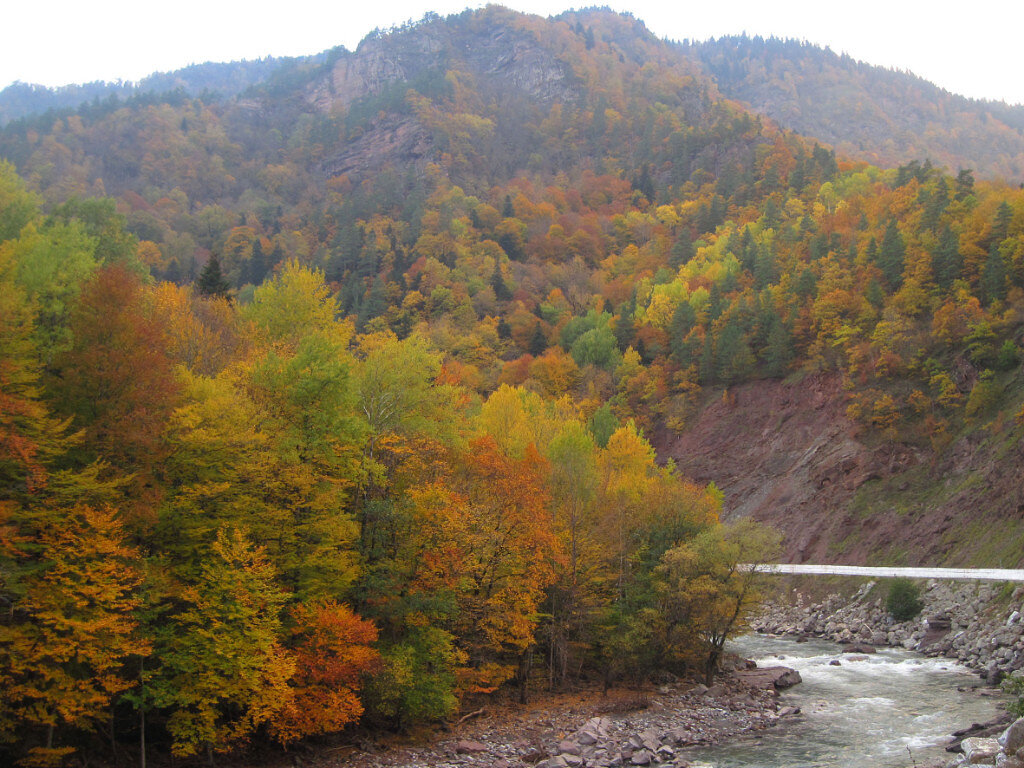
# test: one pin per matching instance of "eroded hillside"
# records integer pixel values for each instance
(786, 453)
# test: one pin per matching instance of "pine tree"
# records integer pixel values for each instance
(937, 204)
(211, 280)
(624, 329)
(706, 371)
(682, 250)
(1001, 223)
(501, 291)
(764, 267)
(993, 277)
(374, 305)
(891, 255)
(946, 259)
(682, 323)
(538, 342)
(733, 358)
(779, 350)
(964, 183)
(258, 266)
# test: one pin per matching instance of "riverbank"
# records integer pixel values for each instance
(628, 728)
(978, 624)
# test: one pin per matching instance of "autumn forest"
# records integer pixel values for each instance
(332, 402)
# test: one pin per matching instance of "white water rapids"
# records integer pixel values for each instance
(866, 712)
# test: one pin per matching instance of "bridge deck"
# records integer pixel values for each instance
(965, 574)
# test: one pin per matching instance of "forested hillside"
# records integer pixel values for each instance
(335, 402)
(211, 80)
(883, 116)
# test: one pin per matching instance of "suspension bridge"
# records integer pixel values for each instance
(885, 572)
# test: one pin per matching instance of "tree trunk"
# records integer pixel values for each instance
(525, 667)
(142, 712)
(711, 665)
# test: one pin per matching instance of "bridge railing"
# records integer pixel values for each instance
(956, 574)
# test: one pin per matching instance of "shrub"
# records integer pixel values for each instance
(904, 600)
(1014, 685)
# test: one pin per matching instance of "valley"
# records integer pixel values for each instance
(356, 394)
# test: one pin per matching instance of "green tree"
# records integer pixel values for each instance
(29, 435)
(18, 206)
(682, 250)
(734, 360)
(679, 340)
(778, 354)
(903, 601)
(538, 341)
(946, 259)
(574, 597)
(707, 586)
(99, 217)
(212, 281)
(602, 425)
(993, 277)
(501, 291)
(891, 256)
(52, 265)
(223, 671)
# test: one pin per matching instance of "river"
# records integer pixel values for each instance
(866, 712)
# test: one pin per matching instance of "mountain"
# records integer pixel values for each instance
(578, 208)
(884, 116)
(432, 369)
(227, 79)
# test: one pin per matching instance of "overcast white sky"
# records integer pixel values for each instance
(970, 48)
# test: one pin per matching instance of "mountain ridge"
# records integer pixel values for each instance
(897, 116)
(884, 116)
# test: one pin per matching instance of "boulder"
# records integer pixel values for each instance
(568, 747)
(467, 747)
(1012, 738)
(980, 751)
(859, 648)
(769, 677)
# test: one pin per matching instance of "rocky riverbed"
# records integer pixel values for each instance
(602, 732)
(978, 624)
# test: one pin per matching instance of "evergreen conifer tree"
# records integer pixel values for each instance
(538, 342)
(993, 277)
(891, 255)
(211, 280)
